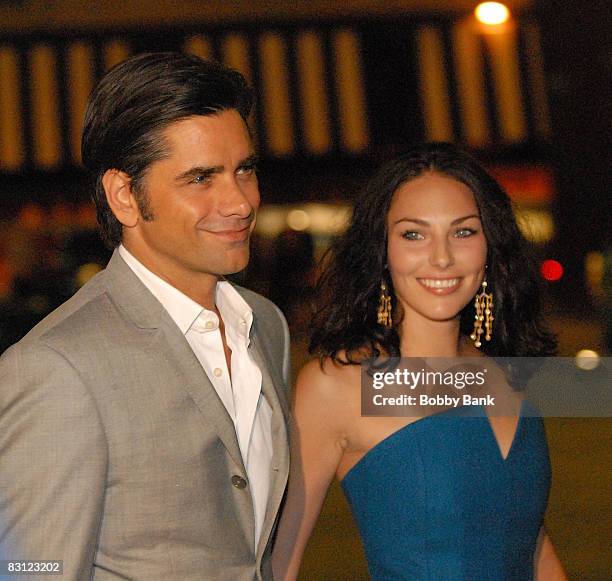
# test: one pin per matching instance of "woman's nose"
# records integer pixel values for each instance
(441, 255)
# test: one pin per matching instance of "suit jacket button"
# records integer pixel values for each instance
(238, 481)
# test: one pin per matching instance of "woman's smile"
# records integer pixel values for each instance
(440, 286)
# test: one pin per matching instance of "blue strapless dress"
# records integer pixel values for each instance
(436, 501)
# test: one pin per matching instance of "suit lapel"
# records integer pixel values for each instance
(280, 448)
(145, 311)
(172, 345)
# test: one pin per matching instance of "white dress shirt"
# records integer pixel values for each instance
(241, 393)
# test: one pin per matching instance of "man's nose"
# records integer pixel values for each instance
(235, 201)
(441, 255)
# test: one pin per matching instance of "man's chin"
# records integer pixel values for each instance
(237, 267)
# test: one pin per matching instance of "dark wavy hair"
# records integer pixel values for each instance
(132, 105)
(349, 286)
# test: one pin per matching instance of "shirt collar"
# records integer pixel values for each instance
(237, 314)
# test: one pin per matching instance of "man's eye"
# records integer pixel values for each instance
(412, 235)
(247, 169)
(200, 179)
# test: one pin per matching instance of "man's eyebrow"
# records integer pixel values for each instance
(249, 161)
(207, 172)
(199, 171)
(426, 223)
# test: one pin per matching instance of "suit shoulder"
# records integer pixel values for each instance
(74, 316)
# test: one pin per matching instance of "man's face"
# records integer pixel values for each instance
(202, 198)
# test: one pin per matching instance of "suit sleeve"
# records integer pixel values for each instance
(53, 462)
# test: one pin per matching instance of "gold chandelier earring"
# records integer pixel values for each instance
(383, 313)
(483, 304)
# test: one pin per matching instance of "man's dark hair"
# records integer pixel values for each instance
(135, 102)
(349, 287)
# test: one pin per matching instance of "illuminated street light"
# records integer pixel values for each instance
(492, 13)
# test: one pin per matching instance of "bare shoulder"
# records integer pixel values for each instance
(327, 378)
(328, 391)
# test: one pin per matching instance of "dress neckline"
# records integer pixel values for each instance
(452, 411)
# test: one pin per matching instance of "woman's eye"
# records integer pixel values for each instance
(412, 235)
(465, 232)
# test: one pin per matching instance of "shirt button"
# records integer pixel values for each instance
(238, 482)
(209, 325)
(218, 372)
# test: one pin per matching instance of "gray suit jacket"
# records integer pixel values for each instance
(116, 454)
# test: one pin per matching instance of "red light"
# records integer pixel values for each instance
(551, 270)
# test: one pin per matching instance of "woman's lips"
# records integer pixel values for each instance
(440, 286)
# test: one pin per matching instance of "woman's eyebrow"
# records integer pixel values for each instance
(458, 220)
(426, 223)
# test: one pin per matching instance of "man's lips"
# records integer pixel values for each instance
(440, 286)
(238, 235)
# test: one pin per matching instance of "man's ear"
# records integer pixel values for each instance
(117, 186)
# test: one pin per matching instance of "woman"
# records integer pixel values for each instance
(438, 497)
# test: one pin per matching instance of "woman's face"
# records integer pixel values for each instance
(436, 249)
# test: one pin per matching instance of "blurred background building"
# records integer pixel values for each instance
(340, 86)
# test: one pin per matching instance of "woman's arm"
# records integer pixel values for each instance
(316, 449)
(547, 564)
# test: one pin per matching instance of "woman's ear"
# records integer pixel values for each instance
(121, 200)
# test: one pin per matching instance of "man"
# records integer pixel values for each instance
(142, 424)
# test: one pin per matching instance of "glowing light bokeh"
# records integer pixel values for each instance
(551, 270)
(587, 359)
(298, 220)
(492, 13)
